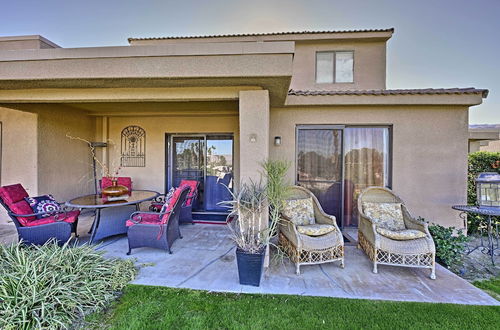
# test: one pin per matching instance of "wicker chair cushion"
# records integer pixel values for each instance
(385, 215)
(315, 230)
(299, 211)
(401, 235)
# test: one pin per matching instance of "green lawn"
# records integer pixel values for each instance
(491, 286)
(146, 307)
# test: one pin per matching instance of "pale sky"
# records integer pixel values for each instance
(437, 43)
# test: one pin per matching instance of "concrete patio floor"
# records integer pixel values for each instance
(205, 259)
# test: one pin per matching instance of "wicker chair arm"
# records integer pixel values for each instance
(322, 218)
(287, 227)
(368, 228)
(412, 223)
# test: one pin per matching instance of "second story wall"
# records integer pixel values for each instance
(369, 67)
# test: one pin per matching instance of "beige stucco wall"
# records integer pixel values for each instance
(429, 150)
(19, 149)
(369, 65)
(254, 133)
(64, 165)
(153, 175)
(493, 146)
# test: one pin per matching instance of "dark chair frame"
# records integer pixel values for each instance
(186, 214)
(38, 235)
(159, 236)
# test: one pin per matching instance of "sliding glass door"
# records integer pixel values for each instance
(319, 165)
(206, 158)
(337, 162)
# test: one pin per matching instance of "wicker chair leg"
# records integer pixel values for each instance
(342, 264)
(433, 271)
(129, 251)
(297, 269)
(358, 246)
(375, 270)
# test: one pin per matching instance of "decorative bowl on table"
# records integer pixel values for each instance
(115, 192)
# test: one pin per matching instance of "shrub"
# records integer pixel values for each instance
(449, 247)
(481, 161)
(51, 286)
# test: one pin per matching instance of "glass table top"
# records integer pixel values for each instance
(96, 201)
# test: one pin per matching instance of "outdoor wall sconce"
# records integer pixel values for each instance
(277, 141)
(253, 138)
(488, 190)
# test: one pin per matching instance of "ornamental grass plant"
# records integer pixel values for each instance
(49, 287)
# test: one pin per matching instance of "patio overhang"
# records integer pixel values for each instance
(147, 73)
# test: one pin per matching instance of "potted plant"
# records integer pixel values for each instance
(255, 215)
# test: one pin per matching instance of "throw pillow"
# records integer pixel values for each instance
(385, 215)
(168, 197)
(45, 203)
(299, 211)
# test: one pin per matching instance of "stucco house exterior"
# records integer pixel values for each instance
(484, 138)
(214, 107)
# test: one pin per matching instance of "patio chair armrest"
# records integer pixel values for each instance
(367, 227)
(412, 223)
(148, 212)
(35, 214)
(287, 227)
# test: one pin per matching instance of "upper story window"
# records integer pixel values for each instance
(335, 67)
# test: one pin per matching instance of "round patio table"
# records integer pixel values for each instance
(492, 245)
(111, 216)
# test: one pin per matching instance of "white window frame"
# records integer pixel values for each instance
(334, 52)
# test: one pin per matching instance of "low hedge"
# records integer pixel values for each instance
(50, 287)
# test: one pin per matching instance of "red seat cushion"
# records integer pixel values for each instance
(13, 197)
(193, 189)
(68, 217)
(22, 207)
(144, 218)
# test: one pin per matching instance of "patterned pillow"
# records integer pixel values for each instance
(401, 235)
(168, 197)
(315, 230)
(385, 215)
(44, 203)
(299, 211)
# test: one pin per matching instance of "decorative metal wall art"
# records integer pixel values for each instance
(133, 149)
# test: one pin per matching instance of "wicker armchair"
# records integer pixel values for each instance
(308, 250)
(418, 252)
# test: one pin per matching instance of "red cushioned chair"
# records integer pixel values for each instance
(57, 225)
(186, 215)
(157, 230)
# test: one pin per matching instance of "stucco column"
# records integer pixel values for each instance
(254, 139)
(254, 133)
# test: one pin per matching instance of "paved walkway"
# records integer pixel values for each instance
(205, 259)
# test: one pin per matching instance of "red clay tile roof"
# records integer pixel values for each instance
(425, 91)
(262, 34)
